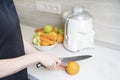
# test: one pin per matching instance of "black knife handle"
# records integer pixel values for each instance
(38, 65)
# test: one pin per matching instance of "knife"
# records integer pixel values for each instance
(68, 59)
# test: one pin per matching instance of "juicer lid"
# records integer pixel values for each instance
(78, 13)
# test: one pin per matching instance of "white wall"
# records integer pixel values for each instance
(106, 17)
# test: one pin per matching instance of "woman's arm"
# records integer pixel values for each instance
(11, 66)
(28, 47)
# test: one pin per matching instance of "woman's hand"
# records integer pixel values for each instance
(50, 61)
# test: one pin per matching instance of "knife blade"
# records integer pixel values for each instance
(75, 58)
(68, 59)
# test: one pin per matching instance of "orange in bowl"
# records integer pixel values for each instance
(43, 41)
(72, 68)
(60, 38)
(45, 48)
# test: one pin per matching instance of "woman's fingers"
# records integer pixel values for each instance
(60, 67)
(57, 67)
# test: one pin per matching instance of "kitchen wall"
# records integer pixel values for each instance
(105, 14)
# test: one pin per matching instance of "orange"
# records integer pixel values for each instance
(42, 43)
(60, 38)
(43, 39)
(72, 68)
(53, 35)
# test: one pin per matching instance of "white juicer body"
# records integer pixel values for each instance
(76, 30)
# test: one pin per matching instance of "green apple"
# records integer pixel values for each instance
(36, 42)
(36, 38)
(48, 28)
(61, 31)
(37, 34)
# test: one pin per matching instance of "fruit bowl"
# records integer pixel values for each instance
(47, 37)
(44, 48)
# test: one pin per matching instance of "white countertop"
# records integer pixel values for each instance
(104, 65)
